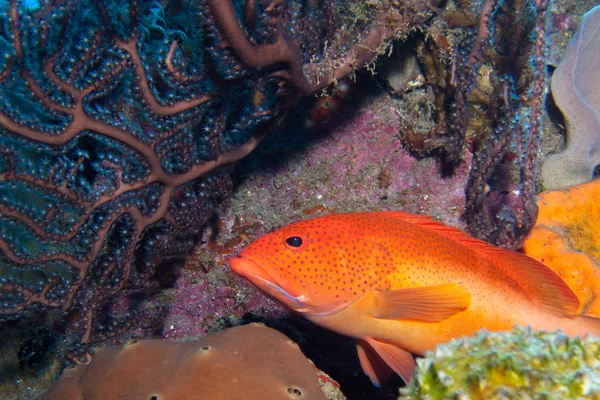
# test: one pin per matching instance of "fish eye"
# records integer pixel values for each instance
(294, 241)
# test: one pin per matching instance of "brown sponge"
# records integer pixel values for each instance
(245, 362)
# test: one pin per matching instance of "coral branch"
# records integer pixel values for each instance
(485, 27)
(262, 56)
(143, 86)
(371, 44)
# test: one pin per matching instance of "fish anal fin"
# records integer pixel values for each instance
(399, 360)
(372, 365)
(543, 285)
(427, 303)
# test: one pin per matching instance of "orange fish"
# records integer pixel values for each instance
(402, 283)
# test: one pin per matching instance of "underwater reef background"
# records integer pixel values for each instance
(120, 121)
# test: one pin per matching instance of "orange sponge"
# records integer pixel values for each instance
(566, 238)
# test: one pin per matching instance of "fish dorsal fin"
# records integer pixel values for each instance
(535, 279)
(428, 223)
(426, 304)
(543, 285)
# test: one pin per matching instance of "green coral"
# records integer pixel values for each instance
(520, 364)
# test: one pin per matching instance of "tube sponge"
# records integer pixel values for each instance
(576, 90)
(519, 364)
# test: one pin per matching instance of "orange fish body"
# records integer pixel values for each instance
(402, 283)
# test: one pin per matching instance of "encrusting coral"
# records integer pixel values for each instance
(247, 362)
(576, 91)
(521, 364)
(566, 238)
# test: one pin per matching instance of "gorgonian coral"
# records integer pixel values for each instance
(116, 118)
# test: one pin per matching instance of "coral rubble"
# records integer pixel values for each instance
(508, 365)
(247, 362)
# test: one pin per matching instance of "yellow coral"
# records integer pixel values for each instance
(566, 238)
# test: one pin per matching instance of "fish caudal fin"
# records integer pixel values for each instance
(372, 353)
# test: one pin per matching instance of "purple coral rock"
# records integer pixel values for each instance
(199, 302)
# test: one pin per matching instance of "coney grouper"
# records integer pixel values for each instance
(401, 284)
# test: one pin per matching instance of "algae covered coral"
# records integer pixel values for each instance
(507, 365)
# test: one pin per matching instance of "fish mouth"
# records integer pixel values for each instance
(265, 282)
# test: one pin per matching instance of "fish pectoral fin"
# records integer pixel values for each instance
(372, 365)
(399, 360)
(426, 304)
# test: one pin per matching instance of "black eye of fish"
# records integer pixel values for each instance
(294, 241)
